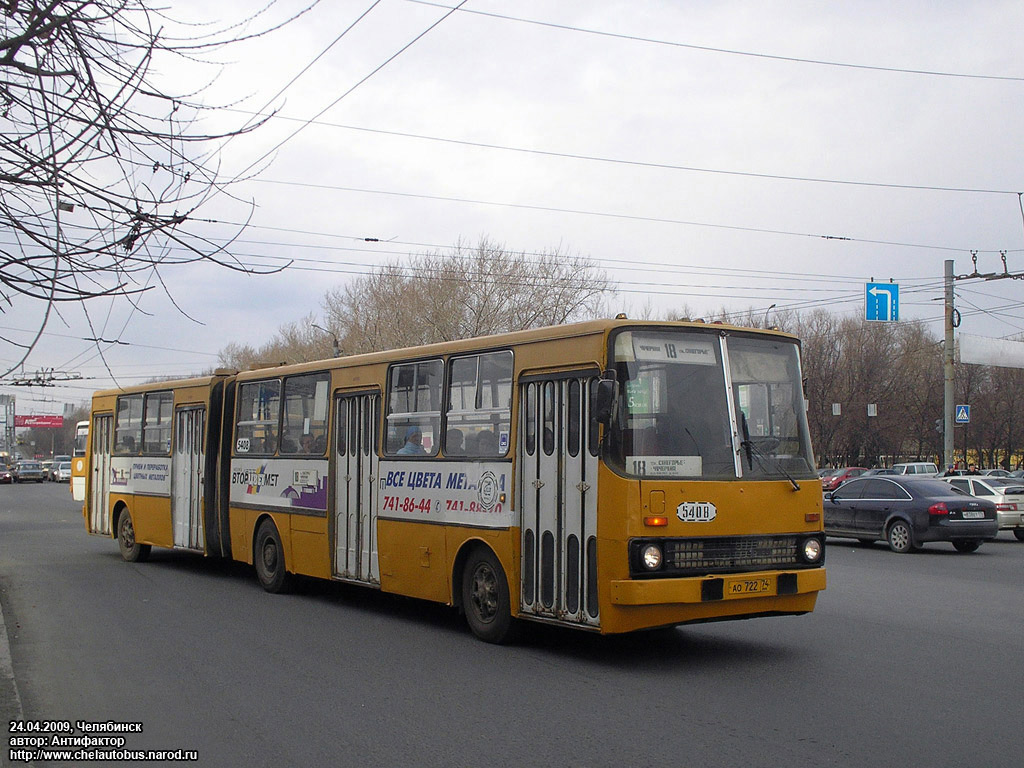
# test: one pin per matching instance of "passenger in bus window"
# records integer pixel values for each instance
(454, 443)
(487, 443)
(307, 444)
(413, 442)
(287, 444)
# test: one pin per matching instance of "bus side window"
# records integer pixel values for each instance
(305, 414)
(156, 430)
(259, 404)
(478, 416)
(414, 406)
(128, 427)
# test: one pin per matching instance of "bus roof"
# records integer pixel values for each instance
(535, 335)
(588, 328)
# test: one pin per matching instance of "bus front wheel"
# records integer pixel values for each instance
(485, 598)
(268, 557)
(131, 550)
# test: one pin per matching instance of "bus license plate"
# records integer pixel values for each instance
(749, 586)
(974, 514)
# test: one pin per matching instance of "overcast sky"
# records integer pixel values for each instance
(651, 137)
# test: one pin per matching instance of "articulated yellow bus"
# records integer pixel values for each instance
(611, 476)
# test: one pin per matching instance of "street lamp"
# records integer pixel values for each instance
(334, 339)
(766, 315)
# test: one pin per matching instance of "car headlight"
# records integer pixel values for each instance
(812, 550)
(650, 556)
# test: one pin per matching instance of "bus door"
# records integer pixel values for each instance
(188, 465)
(355, 493)
(558, 500)
(99, 498)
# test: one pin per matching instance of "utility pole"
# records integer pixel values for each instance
(947, 366)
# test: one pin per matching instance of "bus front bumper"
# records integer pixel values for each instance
(718, 588)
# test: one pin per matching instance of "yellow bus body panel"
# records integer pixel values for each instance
(309, 549)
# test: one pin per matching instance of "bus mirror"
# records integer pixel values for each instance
(604, 400)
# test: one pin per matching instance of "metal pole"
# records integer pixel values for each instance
(947, 367)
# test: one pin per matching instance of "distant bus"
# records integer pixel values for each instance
(79, 460)
(608, 476)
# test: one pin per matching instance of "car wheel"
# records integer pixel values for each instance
(131, 550)
(900, 537)
(485, 598)
(268, 558)
(1019, 533)
(966, 545)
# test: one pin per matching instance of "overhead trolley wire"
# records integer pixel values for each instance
(730, 51)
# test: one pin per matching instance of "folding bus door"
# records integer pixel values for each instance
(188, 463)
(355, 492)
(558, 500)
(99, 493)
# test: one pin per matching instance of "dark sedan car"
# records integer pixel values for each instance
(907, 511)
(29, 471)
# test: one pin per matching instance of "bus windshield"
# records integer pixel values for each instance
(81, 438)
(684, 413)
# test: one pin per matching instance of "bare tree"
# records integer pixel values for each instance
(101, 169)
(464, 292)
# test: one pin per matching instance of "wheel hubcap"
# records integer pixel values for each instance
(269, 556)
(900, 537)
(128, 533)
(484, 593)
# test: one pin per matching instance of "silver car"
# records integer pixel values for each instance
(1006, 492)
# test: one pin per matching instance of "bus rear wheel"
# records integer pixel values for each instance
(131, 550)
(485, 598)
(268, 557)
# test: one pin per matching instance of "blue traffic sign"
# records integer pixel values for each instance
(962, 414)
(882, 302)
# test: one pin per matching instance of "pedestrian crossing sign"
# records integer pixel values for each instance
(963, 414)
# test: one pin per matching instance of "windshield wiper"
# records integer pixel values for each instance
(753, 450)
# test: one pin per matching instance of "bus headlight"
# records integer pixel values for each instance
(651, 557)
(812, 550)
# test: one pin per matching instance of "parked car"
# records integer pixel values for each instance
(1006, 492)
(28, 471)
(839, 476)
(1017, 473)
(62, 474)
(907, 511)
(880, 471)
(994, 472)
(919, 468)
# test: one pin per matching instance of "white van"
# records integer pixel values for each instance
(917, 468)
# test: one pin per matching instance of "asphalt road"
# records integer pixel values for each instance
(909, 660)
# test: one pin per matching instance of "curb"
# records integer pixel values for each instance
(10, 700)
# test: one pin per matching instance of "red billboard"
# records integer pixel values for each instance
(39, 421)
